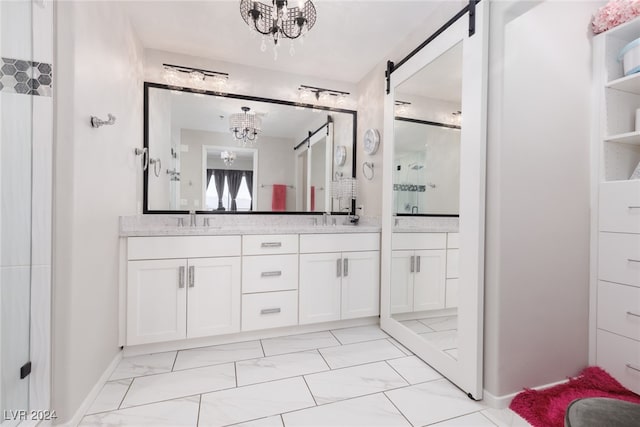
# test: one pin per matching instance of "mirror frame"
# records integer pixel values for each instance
(145, 196)
(467, 371)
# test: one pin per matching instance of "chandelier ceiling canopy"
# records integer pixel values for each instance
(245, 126)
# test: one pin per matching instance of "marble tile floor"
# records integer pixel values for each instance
(441, 331)
(346, 377)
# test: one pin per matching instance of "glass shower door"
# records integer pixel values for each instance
(16, 111)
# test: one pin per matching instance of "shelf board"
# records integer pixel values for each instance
(625, 138)
(629, 84)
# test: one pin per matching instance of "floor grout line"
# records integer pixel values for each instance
(310, 392)
(125, 393)
(175, 359)
(199, 408)
(325, 360)
(397, 409)
(396, 371)
(235, 372)
(453, 418)
(264, 354)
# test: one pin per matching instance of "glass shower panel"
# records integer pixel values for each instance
(16, 118)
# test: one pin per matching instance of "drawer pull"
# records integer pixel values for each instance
(634, 207)
(271, 244)
(339, 267)
(412, 267)
(417, 263)
(631, 313)
(181, 277)
(345, 268)
(635, 368)
(270, 310)
(633, 260)
(271, 273)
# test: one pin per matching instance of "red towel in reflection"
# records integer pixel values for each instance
(279, 198)
(313, 198)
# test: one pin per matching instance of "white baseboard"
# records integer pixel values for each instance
(86, 404)
(503, 402)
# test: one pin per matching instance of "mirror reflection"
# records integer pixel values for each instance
(426, 182)
(240, 154)
(426, 176)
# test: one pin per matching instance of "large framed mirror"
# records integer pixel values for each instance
(433, 200)
(197, 162)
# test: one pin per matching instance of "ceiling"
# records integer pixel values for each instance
(349, 38)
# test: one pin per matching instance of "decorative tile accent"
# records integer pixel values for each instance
(25, 77)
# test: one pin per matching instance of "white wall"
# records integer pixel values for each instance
(537, 233)
(97, 179)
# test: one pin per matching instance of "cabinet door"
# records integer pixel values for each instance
(156, 301)
(319, 287)
(401, 282)
(213, 302)
(360, 284)
(429, 280)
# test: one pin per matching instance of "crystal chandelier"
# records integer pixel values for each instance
(245, 126)
(228, 157)
(278, 20)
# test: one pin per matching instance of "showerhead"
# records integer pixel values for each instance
(416, 166)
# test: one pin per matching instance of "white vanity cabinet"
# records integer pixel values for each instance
(182, 287)
(339, 276)
(418, 262)
(453, 270)
(269, 281)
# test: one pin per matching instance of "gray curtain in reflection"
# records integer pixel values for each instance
(218, 176)
(234, 179)
(209, 175)
(248, 175)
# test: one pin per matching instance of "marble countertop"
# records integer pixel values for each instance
(426, 225)
(167, 225)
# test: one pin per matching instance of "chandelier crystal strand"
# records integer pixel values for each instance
(292, 50)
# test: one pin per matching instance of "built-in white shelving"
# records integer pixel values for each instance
(630, 84)
(625, 138)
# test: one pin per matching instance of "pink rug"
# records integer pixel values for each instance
(546, 408)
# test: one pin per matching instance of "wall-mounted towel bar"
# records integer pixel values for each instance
(271, 185)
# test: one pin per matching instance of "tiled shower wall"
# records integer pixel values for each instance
(26, 144)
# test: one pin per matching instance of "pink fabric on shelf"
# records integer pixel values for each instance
(279, 198)
(547, 407)
(313, 198)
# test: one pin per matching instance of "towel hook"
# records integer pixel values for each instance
(157, 166)
(97, 122)
(145, 157)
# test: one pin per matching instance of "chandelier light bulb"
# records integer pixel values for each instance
(172, 77)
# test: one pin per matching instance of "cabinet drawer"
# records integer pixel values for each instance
(270, 244)
(615, 302)
(269, 273)
(347, 242)
(614, 353)
(453, 263)
(411, 241)
(269, 310)
(619, 258)
(620, 206)
(453, 240)
(163, 247)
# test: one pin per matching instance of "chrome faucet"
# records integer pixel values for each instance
(193, 221)
(325, 217)
(414, 211)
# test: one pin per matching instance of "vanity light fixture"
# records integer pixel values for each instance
(322, 95)
(245, 126)
(179, 76)
(228, 157)
(278, 20)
